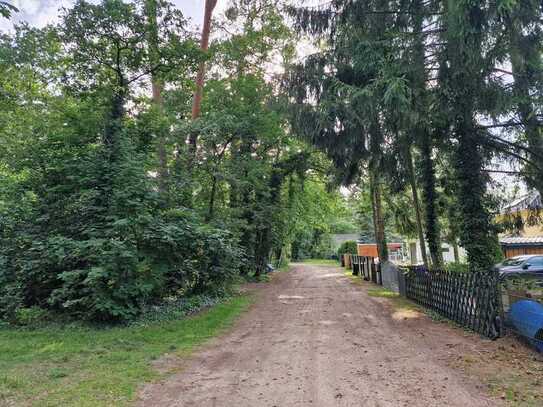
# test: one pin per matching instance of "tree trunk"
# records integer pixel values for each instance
(477, 234)
(265, 243)
(456, 251)
(429, 194)
(378, 220)
(463, 80)
(211, 207)
(199, 88)
(113, 127)
(416, 204)
(422, 137)
(189, 164)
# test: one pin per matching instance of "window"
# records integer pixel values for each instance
(515, 261)
(536, 261)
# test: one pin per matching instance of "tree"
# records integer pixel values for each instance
(402, 73)
(525, 46)
(93, 239)
(6, 9)
(465, 30)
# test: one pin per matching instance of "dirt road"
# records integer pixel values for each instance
(314, 338)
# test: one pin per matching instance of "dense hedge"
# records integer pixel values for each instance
(100, 247)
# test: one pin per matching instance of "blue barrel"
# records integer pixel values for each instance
(527, 318)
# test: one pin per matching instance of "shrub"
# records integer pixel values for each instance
(456, 267)
(349, 246)
(30, 316)
(103, 253)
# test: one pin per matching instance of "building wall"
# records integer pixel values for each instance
(518, 251)
(529, 231)
(370, 250)
(413, 248)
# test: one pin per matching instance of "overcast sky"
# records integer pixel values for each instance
(41, 12)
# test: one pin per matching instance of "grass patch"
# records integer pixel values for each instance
(511, 371)
(355, 279)
(322, 262)
(382, 292)
(519, 389)
(400, 304)
(83, 366)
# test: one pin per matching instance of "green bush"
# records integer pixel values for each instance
(104, 253)
(349, 246)
(455, 267)
(112, 278)
(31, 316)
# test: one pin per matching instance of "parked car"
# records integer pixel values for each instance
(530, 264)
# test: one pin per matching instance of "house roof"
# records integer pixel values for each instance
(531, 200)
(396, 245)
(522, 241)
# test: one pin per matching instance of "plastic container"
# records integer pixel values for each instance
(527, 317)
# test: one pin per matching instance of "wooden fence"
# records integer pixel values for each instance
(470, 299)
(366, 268)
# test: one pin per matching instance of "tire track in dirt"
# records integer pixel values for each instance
(313, 338)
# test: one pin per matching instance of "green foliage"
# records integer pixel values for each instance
(100, 218)
(32, 316)
(83, 231)
(6, 9)
(349, 247)
(455, 267)
(389, 77)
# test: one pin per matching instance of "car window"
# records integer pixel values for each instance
(513, 262)
(536, 261)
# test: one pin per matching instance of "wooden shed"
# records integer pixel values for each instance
(370, 249)
(516, 246)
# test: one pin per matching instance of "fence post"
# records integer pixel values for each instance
(401, 283)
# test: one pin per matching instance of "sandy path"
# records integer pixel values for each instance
(313, 338)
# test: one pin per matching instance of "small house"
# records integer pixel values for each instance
(395, 252)
(414, 252)
(530, 239)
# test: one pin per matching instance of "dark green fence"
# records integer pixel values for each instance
(470, 299)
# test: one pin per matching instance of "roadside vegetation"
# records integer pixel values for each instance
(85, 365)
(139, 165)
(425, 106)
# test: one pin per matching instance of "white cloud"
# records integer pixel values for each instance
(28, 6)
(39, 13)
